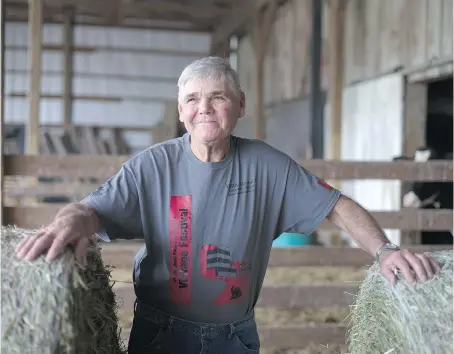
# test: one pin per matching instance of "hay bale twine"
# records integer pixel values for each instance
(56, 307)
(405, 318)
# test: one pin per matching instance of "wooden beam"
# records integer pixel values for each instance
(440, 170)
(404, 219)
(318, 256)
(62, 97)
(72, 166)
(2, 100)
(34, 62)
(158, 9)
(294, 336)
(337, 9)
(119, 76)
(260, 39)
(85, 166)
(301, 336)
(235, 21)
(14, 189)
(311, 256)
(99, 48)
(52, 16)
(68, 65)
(94, 97)
(307, 296)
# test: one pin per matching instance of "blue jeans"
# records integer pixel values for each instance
(155, 332)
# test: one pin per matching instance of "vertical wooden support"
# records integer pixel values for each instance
(415, 118)
(2, 98)
(223, 50)
(67, 65)
(336, 37)
(34, 62)
(337, 9)
(260, 39)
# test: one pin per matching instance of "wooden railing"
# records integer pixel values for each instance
(75, 168)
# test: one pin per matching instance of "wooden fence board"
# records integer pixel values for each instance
(49, 189)
(121, 254)
(103, 166)
(300, 336)
(410, 219)
(306, 296)
(317, 256)
(291, 337)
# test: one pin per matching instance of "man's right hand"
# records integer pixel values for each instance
(74, 225)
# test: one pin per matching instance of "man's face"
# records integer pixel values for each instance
(210, 109)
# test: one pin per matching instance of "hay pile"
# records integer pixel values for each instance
(56, 307)
(404, 319)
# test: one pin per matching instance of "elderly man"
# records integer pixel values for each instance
(209, 206)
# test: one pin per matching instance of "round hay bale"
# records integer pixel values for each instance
(404, 318)
(56, 307)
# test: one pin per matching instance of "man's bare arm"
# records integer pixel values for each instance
(364, 229)
(358, 223)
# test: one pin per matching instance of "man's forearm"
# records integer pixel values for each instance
(80, 213)
(359, 224)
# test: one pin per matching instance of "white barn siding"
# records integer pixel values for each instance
(109, 71)
(373, 119)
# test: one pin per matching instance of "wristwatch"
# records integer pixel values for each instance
(386, 247)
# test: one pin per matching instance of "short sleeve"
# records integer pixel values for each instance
(116, 203)
(307, 201)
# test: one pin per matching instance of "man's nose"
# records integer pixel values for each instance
(205, 106)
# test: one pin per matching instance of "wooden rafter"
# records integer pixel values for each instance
(111, 12)
(236, 20)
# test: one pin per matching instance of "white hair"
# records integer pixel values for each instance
(213, 68)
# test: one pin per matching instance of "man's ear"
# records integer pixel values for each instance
(180, 108)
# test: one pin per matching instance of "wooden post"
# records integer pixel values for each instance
(336, 46)
(34, 62)
(223, 50)
(2, 98)
(67, 65)
(260, 36)
(336, 17)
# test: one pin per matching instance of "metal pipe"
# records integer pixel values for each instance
(316, 101)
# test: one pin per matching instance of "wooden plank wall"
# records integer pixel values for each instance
(380, 35)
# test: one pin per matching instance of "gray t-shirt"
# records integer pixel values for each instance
(208, 227)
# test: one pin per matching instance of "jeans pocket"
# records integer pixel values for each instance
(144, 334)
(248, 338)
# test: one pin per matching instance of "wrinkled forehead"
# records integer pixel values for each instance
(206, 86)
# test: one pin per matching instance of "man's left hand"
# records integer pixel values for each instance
(414, 266)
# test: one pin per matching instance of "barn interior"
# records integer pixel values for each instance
(87, 84)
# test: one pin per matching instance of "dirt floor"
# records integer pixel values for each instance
(265, 316)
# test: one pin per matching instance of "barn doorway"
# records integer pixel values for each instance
(439, 119)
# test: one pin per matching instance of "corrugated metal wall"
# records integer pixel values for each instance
(140, 79)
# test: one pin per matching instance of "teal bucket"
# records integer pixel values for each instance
(292, 240)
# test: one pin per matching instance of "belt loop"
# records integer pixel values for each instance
(232, 330)
(171, 319)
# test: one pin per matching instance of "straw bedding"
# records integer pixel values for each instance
(404, 319)
(56, 307)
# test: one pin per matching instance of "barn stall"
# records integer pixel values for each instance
(295, 309)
